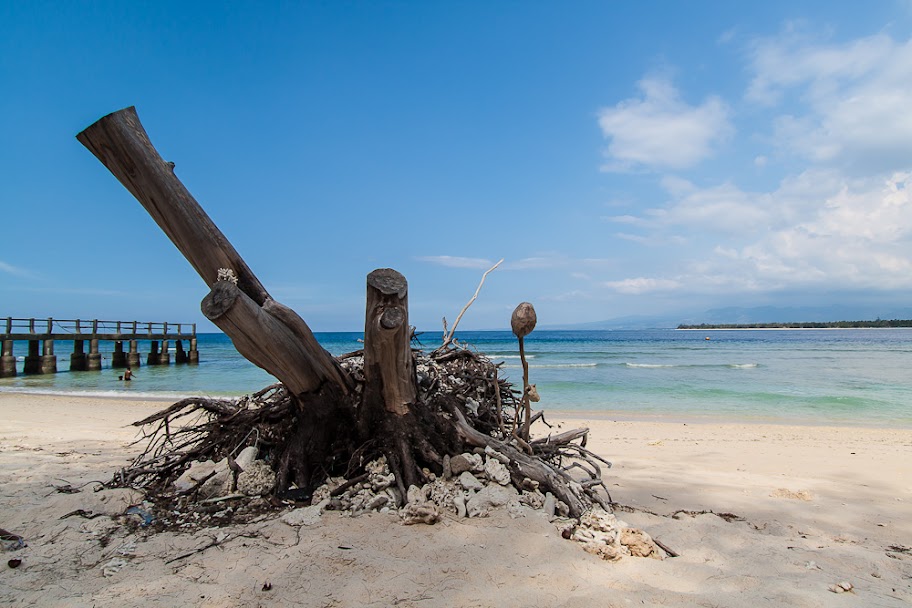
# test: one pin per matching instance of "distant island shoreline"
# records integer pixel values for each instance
(878, 324)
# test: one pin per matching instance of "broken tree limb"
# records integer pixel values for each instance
(251, 327)
(121, 143)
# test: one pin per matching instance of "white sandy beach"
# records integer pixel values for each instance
(820, 505)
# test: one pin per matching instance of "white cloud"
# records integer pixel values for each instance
(641, 285)
(568, 296)
(817, 230)
(722, 208)
(537, 262)
(622, 219)
(844, 104)
(14, 270)
(860, 237)
(660, 131)
(840, 220)
(457, 262)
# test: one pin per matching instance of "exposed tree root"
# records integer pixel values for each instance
(463, 405)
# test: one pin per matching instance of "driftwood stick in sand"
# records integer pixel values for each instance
(523, 322)
(562, 438)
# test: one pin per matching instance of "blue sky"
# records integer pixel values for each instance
(650, 158)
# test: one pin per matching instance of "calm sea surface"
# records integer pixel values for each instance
(819, 376)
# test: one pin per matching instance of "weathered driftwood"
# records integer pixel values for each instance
(120, 142)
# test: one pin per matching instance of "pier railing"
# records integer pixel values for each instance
(43, 332)
(69, 329)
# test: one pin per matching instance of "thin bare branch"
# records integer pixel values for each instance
(448, 337)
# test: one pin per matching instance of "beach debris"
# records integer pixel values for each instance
(81, 513)
(550, 505)
(483, 502)
(14, 563)
(247, 457)
(198, 473)
(466, 462)
(143, 514)
(214, 542)
(66, 489)
(496, 471)
(305, 516)
(804, 495)
(10, 541)
(640, 544)
(602, 534)
(419, 513)
(842, 587)
(469, 482)
(256, 479)
(113, 566)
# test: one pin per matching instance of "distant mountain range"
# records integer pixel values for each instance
(742, 315)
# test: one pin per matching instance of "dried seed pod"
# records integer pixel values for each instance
(523, 320)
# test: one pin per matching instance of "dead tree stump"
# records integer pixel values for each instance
(388, 368)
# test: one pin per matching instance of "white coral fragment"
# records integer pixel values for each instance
(226, 274)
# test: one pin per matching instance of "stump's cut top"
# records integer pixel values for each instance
(388, 282)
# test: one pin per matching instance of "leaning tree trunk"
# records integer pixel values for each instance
(267, 333)
(264, 331)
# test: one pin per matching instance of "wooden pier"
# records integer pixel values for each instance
(41, 334)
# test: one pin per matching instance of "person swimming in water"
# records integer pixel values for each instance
(127, 375)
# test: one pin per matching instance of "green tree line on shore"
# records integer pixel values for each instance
(806, 325)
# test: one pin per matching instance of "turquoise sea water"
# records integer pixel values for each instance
(856, 376)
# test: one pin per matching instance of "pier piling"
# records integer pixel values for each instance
(193, 357)
(48, 359)
(78, 358)
(93, 360)
(7, 360)
(133, 358)
(118, 357)
(32, 359)
(152, 357)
